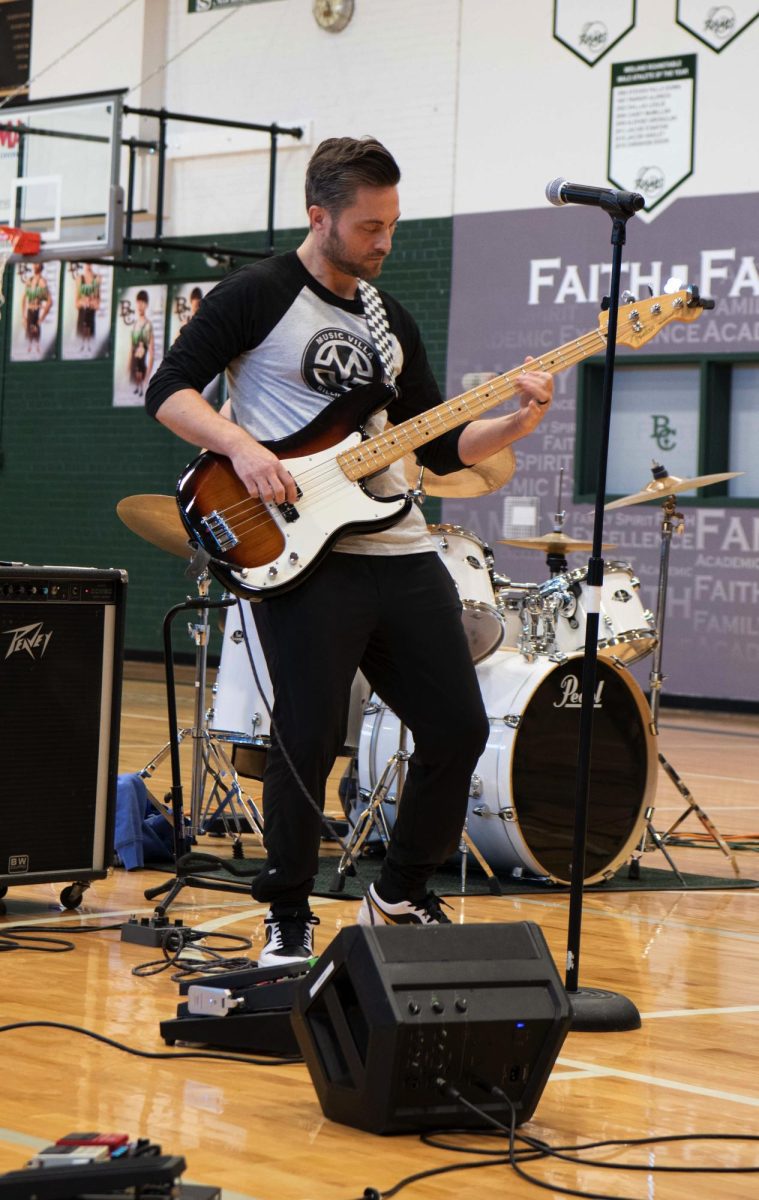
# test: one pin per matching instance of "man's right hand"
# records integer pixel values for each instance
(262, 473)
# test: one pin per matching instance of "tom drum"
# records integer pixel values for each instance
(470, 563)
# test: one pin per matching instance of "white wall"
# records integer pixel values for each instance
(478, 101)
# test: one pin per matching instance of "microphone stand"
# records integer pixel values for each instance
(595, 1010)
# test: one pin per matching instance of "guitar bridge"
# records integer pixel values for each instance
(220, 531)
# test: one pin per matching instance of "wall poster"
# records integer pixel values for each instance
(140, 317)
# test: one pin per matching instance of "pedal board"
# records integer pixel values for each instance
(246, 1011)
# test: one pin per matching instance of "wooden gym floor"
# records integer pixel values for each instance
(688, 959)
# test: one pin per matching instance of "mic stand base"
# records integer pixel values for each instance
(595, 1010)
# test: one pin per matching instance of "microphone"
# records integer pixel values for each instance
(558, 192)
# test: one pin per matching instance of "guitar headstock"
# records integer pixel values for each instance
(640, 320)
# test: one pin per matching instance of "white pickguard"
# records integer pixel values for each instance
(330, 502)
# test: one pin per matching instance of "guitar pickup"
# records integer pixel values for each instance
(289, 511)
(220, 531)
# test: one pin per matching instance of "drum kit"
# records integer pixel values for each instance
(527, 642)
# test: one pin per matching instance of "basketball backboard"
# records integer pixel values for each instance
(59, 174)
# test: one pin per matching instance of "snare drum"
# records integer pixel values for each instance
(626, 631)
(470, 562)
(522, 798)
(240, 712)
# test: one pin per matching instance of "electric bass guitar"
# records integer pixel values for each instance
(259, 549)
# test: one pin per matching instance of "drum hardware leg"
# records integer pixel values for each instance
(656, 678)
(232, 802)
(693, 807)
(373, 816)
(467, 846)
(658, 843)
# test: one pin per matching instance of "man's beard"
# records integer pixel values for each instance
(334, 252)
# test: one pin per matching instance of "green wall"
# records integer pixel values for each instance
(67, 456)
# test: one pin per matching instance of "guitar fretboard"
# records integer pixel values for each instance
(398, 440)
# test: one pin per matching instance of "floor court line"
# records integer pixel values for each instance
(676, 1085)
(700, 1012)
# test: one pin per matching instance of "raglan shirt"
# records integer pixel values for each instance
(290, 347)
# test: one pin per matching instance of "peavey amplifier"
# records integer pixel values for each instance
(61, 652)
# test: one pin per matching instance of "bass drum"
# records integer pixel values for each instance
(521, 806)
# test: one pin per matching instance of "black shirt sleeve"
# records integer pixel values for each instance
(418, 392)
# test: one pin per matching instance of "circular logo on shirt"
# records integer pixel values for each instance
(335, 361)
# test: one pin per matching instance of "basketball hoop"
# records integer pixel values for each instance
(18, 242)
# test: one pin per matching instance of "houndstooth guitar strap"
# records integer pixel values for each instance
(379, 329)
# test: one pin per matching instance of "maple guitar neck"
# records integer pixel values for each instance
(639, 321)
(398, 440)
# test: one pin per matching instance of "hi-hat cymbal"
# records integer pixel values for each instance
(552, 543)
(670, 485)
(481, 479)
(156, 519)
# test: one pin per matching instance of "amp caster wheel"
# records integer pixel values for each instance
(71, 896)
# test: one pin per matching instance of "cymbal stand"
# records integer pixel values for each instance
(208, 759)
(669, 516)
(373, 817)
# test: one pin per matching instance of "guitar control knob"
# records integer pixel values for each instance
(273, 572)
(293, 557)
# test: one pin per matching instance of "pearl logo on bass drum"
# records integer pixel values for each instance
(571, 696)
(30, 639)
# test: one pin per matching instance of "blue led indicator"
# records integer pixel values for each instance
(520, 1024)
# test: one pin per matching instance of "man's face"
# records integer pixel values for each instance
(358, 239)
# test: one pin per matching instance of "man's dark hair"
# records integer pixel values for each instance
(142, 295)
(339, 166)
(196, 294)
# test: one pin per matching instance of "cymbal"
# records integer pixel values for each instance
(156, 518)
(670, 485)
(552, 543)
(481, 479)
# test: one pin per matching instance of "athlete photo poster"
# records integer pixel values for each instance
(138, 341)
(86, 311)
(184, 302)
(34, 324)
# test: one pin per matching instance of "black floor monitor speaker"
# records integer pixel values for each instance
(390, 1011)
(61, 651)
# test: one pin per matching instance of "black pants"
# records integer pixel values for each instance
(398, 618)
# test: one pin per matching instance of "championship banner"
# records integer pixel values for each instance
(651, 125)
(716, 25)
(589, 28)
(15, 47)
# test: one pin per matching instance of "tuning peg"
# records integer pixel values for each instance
(627, 298)
(673, 285)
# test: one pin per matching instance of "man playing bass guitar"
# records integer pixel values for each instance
(291, 333)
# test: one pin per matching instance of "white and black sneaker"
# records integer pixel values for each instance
(289, 936)
(376, 911)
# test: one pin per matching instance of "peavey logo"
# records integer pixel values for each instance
(649, 180)
(594, 36)
(335, 361)
(571, 696)
(29, 638)
(720, 20)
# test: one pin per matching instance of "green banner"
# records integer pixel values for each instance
(200, 6)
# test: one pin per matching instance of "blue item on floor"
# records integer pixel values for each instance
(142, 835)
